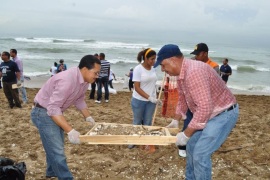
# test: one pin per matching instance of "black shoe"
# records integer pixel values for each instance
(19, 106)
(12, 106)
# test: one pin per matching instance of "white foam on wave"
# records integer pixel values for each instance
(249, 68)
(36, 40)
(251, 88)
(31, 74)
(116, 45)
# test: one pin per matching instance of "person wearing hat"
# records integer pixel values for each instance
(214, 107)
(201, 54)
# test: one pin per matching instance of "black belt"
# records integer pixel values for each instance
(230, 108)
(39, 106)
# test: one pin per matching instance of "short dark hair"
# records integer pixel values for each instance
(55, 64)
(61, 60)
(6, 53)
(14, 51)
(226, 60)
(89, 62)
(102, 55)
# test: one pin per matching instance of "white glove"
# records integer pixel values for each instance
(19, 83)
(91, 120)
(155, 100)
(73, 136)
(181, 139)
(174, 124)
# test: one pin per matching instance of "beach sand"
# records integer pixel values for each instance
(244, 155)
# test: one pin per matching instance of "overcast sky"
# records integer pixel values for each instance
(229, 20)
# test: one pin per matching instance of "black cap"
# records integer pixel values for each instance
(199, 48)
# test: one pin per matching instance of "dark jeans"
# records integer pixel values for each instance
(110, 84)
(103, 81)
(130, 84)
(93, 90)
(189, 115)
(12, 95)
(0, 85)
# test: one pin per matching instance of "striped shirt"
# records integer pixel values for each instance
(202, 91)
(105, 69)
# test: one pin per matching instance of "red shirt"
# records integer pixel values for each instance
(202, 91)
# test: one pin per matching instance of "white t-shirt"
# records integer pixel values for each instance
(147, 79)
(54, 70)
(111, 75)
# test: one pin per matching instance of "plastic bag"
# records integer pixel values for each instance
(11, 171)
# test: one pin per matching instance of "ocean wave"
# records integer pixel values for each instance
(34, 40)
(251, 88)
(7, 39)
(89, 40)
(117, 61)
(53, 50)
(118, 45)
(249, 68)
(36, 74)
(67, 40)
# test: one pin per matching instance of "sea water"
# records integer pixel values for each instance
(250, 65)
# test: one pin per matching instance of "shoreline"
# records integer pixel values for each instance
(38, 81)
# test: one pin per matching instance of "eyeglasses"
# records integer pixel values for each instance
(96, 73)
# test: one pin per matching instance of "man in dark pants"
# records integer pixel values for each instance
(93, 85)
(103, 79)
(225, 71)
(10, 73)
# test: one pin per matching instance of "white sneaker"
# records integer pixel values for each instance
(96, 101)
(173, 124)
(106, 100)
(182, 153)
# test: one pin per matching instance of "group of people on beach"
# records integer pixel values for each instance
(11, 72)
(207, 106)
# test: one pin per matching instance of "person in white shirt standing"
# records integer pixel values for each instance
(111, 78)
(53, 69)
(144, 98)
(18, 61)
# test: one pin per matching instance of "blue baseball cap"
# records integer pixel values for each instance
(167, 51)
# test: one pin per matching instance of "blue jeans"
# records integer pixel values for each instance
(52, 137)
(23, 91)
(142, 112)
(103, 81)
(203, 144)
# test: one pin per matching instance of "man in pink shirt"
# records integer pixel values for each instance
(214, 108)
(56, 95)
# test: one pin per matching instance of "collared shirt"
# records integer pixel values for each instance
(202, 91)
(63, 90)
(19, 63)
